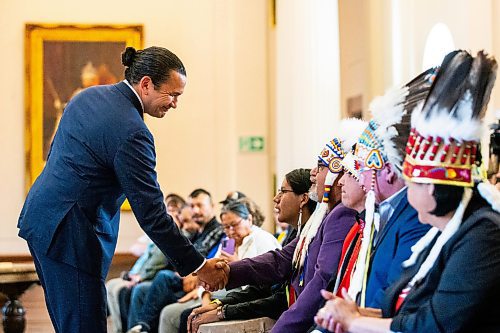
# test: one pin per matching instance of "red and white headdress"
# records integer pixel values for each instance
(351, 165)
(383, 142)
(445, 135)
(444, 143)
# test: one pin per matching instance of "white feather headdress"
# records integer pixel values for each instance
(347, 131)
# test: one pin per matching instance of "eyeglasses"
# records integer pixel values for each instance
(281, 191)
(232, 226)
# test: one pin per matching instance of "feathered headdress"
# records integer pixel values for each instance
(331, 156)
(445, 134)
(383, 141)
(445, 139)
(351, 165)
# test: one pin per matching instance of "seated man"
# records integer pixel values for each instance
(189, 229)
(188, 226)
(204, 241)
(249, 240)
(150, 262)
(391, 224)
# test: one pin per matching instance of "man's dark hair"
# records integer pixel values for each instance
(155, 62)
(300, 182)
(174, 199)
(199, 191)
(447, 198)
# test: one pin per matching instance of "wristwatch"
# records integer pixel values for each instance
(220, 313)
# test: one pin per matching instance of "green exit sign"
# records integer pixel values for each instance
(251, 143)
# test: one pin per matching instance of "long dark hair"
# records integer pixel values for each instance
(447, 198)
(155, 62)
(300, 182)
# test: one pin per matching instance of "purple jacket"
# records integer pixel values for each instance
(276, 266)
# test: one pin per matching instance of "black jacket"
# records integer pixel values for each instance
(257, 301)
(461, 291)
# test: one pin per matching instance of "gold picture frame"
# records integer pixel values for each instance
(60, 60)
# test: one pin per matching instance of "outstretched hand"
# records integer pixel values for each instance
(214, 274)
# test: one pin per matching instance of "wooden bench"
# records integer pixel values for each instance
(258, 325)
(15, 278)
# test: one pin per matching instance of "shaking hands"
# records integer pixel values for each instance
(214, 274)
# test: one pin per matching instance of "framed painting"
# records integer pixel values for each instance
(62, 60)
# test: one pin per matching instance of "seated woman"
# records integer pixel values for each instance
(249, 241)
(308, 263)
(255, 302)
(450, 283)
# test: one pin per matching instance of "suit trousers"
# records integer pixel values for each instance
(76, 300)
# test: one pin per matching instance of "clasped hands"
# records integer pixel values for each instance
(214, 274)
(202, 315)
(338, 313)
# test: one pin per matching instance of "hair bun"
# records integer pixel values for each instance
(128, 56)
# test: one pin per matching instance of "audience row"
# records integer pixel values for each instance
(392, 230)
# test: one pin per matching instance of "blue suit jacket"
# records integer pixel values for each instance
(393, 247)
(102, 152)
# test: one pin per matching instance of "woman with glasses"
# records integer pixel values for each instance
(249, 239)
(291, 204)
(307, 264)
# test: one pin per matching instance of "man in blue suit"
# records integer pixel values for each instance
(400, 229)
(103, 152)
(391, 224)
